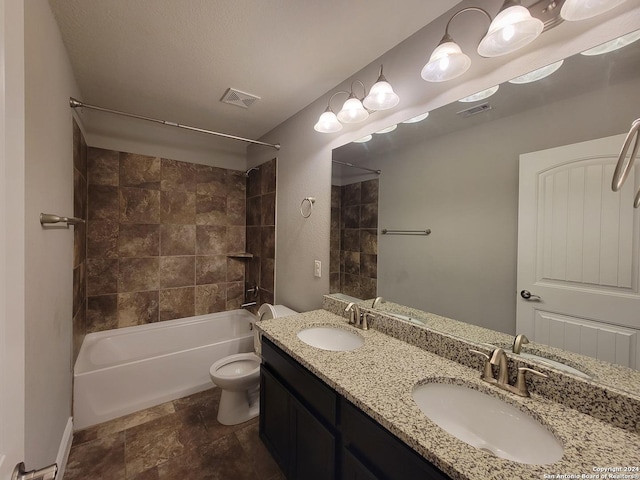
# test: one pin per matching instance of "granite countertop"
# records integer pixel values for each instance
(379, 378)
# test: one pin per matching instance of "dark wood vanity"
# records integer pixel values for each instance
(314, 433)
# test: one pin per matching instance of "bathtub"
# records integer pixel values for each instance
(128, 369)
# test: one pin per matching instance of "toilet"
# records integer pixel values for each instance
(238, 376)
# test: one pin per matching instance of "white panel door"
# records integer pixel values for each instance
(578, 245)
(11, 238)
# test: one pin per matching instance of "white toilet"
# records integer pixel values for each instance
(238, 376)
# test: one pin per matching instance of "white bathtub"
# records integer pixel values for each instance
(128, 369)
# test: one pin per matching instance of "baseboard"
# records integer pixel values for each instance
(65, 448)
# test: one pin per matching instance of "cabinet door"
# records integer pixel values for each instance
(314, 446)
(352, 469)
(275, 420)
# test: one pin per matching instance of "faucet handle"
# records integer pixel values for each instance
(487, 372)
(521, 383)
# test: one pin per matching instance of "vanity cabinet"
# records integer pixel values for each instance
(297, 417)
(314, 433)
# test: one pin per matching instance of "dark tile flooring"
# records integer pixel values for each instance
(178, 440)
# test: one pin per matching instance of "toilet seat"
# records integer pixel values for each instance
(236, 372)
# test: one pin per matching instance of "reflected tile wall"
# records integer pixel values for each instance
(354, 239)
(261, 230)
(80, 176)
(158, 235)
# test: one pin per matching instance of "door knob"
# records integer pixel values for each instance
(527, 295)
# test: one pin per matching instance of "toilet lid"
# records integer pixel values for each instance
(268, 311)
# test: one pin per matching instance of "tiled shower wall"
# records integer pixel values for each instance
(261, 230)
(354, 239)
(159, 237)
(79, 239)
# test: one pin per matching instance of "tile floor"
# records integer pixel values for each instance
(178, 440)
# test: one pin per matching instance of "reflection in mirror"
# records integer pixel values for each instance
(456, 172)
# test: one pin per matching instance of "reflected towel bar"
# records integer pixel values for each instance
(406, 232)
(48, 218)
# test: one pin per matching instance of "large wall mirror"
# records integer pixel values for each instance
(456, 174)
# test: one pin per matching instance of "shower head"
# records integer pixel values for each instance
(246, 174)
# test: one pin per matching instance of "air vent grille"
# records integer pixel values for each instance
(483, 107)
(238, 98)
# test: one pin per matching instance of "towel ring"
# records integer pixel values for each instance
(311, 201)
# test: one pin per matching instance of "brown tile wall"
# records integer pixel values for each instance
(261, 230)
(79, 239)
(158, 238)
(354, 239)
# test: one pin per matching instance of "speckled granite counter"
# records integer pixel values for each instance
(379, 378)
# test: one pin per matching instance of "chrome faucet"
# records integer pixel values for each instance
(520, 340)
(499, 357)
(356, 317)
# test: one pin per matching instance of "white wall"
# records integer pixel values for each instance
(304, 161)
(48, 272)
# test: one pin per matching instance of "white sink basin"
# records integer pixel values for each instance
(488, 423)
(553, 363)
(331, 338)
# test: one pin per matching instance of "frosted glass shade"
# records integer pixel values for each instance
(614, 44)
(417, 118)
(328, 123)
(538, 74)
(476, 97)
(574, 10)
(446, 63)
(512, 29)
(381, 96)
(352, 111)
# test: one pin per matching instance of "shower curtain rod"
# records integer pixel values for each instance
(356, 166)
(73, 103)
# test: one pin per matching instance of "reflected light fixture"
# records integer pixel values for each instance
(448, 61)
(417, 118)
(512, 29)
(538, 74)
(364, 139)
(614, 44)
(357, 109)
(480, 95)
(574, 10)
(388, 129)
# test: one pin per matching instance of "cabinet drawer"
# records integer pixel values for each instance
(309, 389)
(382, 453)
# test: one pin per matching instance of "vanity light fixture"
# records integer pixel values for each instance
(614, 44)
(476, 97)
(357, 109)
(417, 118)
(574, 10)
(538, 74)
(448, 61)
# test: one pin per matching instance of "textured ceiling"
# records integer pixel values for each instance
(174, 59)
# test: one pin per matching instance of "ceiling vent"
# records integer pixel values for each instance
(483, 107)
(238, 98)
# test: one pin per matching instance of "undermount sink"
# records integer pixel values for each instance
(331, 338)
(488, 423)
(559, 365)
